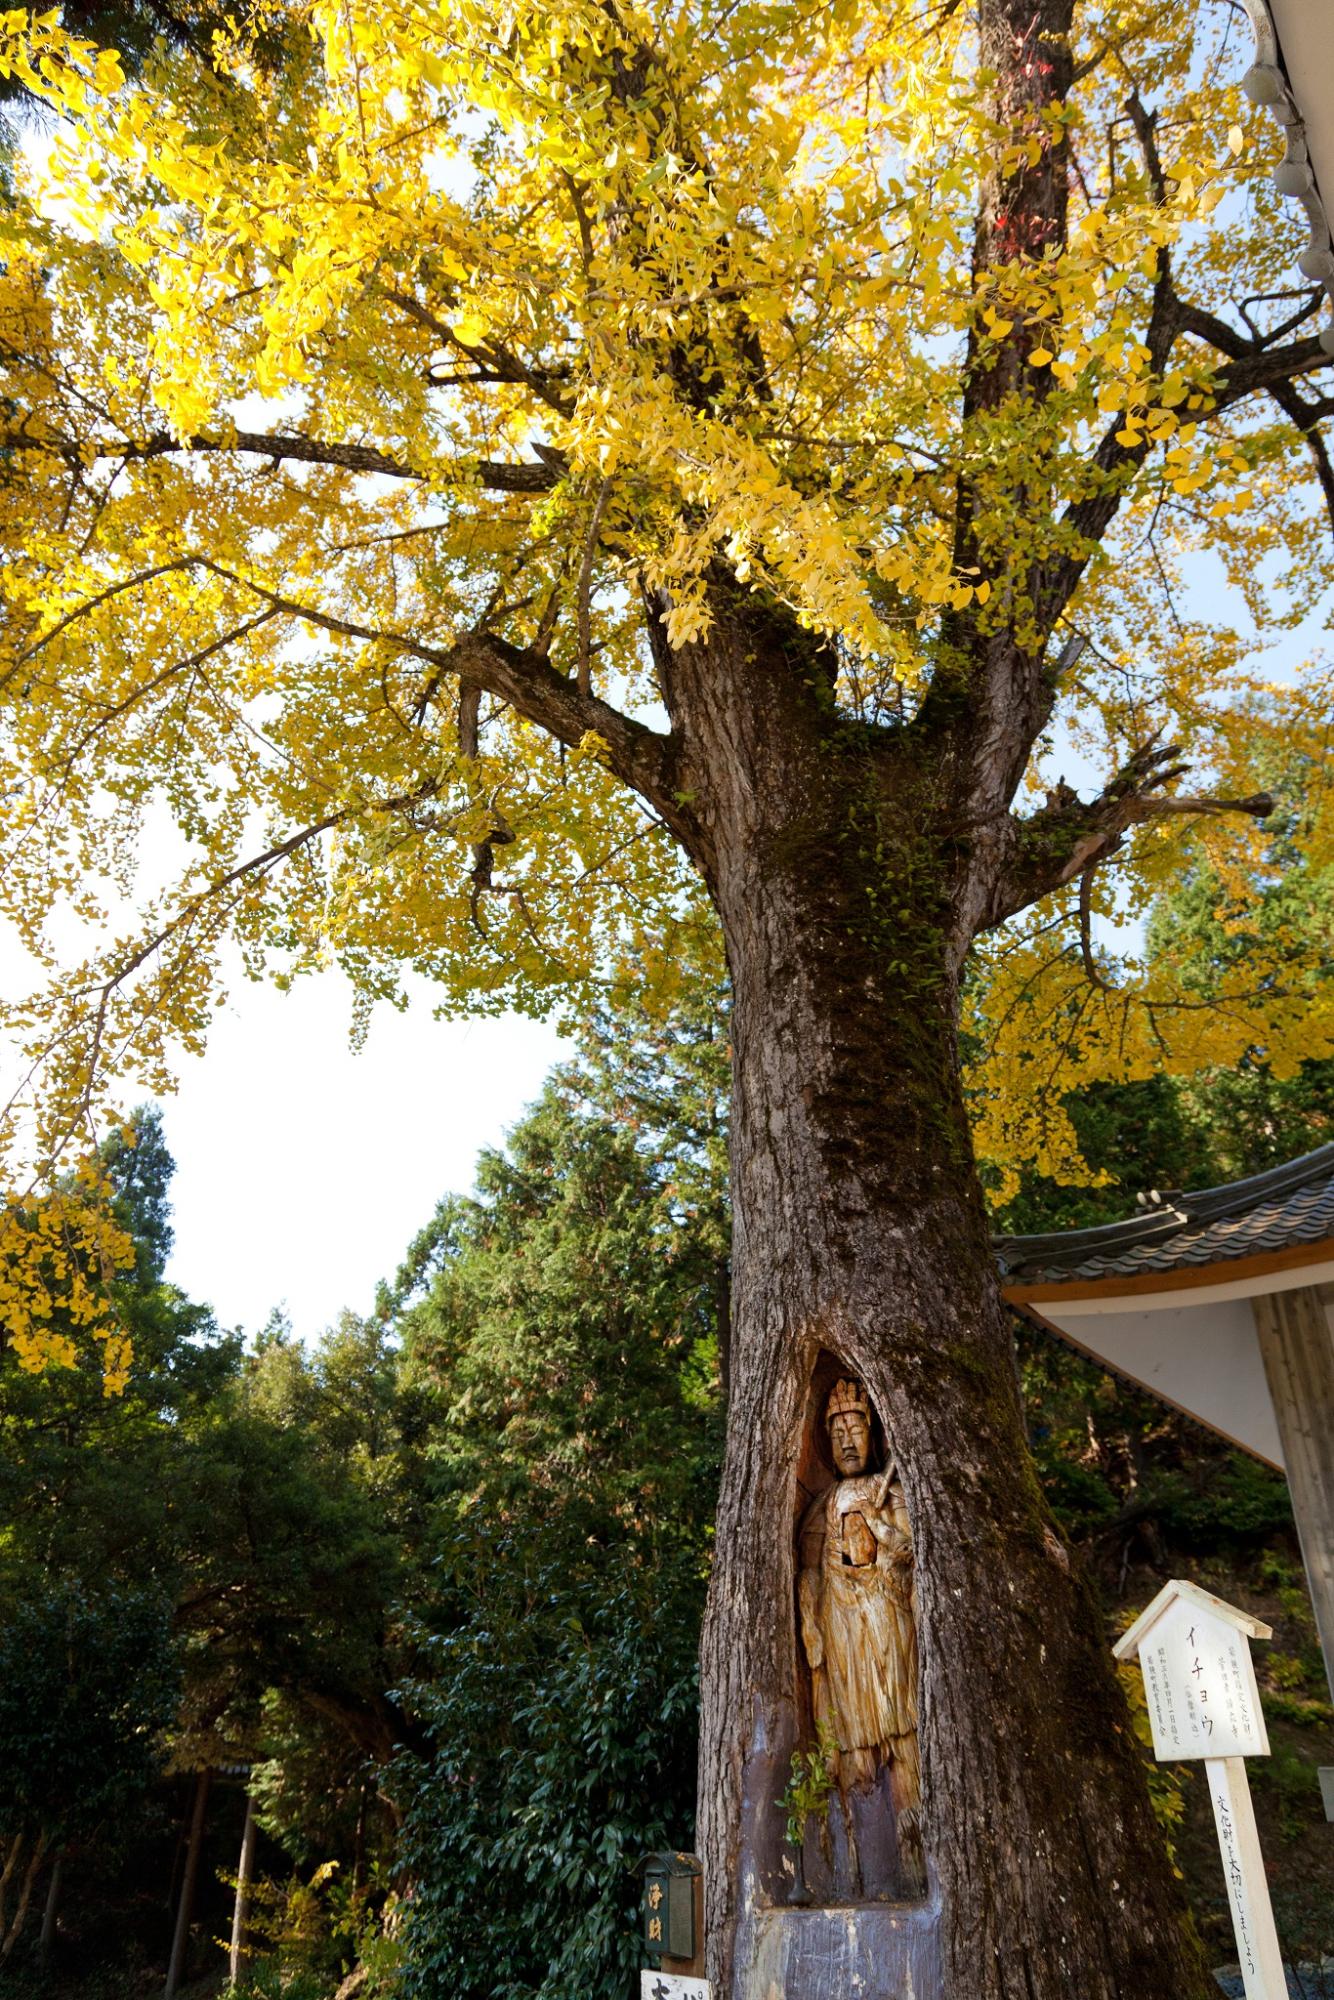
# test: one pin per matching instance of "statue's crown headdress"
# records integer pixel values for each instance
(844, 1398)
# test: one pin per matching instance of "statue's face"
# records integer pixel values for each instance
(850, 1441)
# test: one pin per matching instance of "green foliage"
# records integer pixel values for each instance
(560, 1327)
(810, 1783)
(1307, 1714)
(83, 1476)
(1118, 1467)
(560, 1344)
(1289, 1775)
(302, 1931)
(1221, 1123)
(139, 1168)
(88, 1689)
(1227, 1500)
(558, 1696)
(293, 1559)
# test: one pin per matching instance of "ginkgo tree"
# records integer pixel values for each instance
(521, 480)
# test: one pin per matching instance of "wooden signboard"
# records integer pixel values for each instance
(1199, 1678)
(1199, 1682)
(671, 1986)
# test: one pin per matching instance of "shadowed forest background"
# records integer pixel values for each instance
(429, 1588)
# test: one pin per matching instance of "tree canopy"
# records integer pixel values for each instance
(355, 402)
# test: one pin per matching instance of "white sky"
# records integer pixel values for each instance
(303, 1170)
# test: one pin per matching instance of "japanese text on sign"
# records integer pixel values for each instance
(1200, 1686)
(1236, 1882)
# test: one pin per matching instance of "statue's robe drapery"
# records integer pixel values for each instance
(858, 1619)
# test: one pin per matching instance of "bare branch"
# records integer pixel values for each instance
(1066, 838)
(639, 756)
(496, 475)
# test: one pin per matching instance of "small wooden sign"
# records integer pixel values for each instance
(1195, 1655)
(671, 1986)
(1198, 1677)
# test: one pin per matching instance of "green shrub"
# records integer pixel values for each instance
(560, 1711)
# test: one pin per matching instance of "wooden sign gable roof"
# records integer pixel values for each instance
(1177, 1591)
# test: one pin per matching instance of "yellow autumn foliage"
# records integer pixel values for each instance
(59, 1255)
(316, 371)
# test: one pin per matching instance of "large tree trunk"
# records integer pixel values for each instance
(860, 1234)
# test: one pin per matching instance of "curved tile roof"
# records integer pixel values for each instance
(1271, 1211)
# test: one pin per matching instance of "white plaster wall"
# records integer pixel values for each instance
(1204, 1359)
(1306, 36)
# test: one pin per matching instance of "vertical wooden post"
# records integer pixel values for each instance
(1247, 1886)
(245, 1868)
(51, 1914)
(1297, 1347)
(185, 1907)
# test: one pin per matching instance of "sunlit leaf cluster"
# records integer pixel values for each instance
(471, 321)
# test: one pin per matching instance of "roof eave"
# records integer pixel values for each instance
(1286, 82)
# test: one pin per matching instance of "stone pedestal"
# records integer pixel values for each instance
(871, 1951)
(880, 1947)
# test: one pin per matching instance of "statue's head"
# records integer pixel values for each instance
(848, 1420)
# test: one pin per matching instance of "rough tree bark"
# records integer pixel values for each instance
(839, 867)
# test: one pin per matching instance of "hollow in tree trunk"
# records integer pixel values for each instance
(861, 1241)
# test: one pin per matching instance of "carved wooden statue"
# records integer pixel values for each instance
(858, 1618)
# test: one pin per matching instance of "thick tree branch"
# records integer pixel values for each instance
(497, 360)
(1307, 420)
(639, 756)
(1254, 365)
(496, 475)
(1066, 838)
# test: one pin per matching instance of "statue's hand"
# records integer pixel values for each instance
(814, 1644)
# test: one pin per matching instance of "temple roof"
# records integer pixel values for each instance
(1273, 1211)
